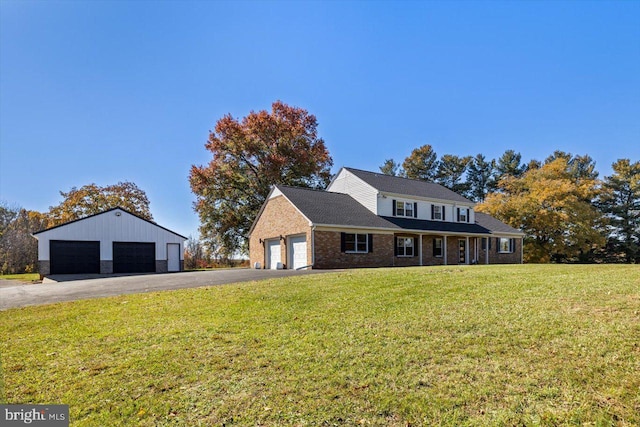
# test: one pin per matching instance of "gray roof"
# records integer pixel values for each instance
(410, 187)
(328, 208)
(442, 226)
(493, 224)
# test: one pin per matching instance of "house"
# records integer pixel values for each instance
(113, 241)
(367, 219)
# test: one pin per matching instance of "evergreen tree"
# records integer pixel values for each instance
(390, 167)
(451, 169)
(479, 177)
(422, 164)
(620, 201)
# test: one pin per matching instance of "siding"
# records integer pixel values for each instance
(348, 183)
(109, 228)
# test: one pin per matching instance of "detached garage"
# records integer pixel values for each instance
(114, 241)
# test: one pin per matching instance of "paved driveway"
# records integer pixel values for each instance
(46, 293)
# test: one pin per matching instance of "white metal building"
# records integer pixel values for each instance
(113, 241)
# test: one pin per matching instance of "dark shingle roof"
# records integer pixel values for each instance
(443, 226)
(493, 224)
(328, 208)
(324, 207)
(410, 187)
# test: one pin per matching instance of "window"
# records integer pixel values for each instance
(404, 246)
(404, 209)
(462, 215)
(506, 245)
(437, 247)
(356, 243)
(437, 212)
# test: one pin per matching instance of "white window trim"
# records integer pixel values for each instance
(465, 212)
(366, 241)
(436, 207)
(405, 247)
(404, 210)
(500, 251)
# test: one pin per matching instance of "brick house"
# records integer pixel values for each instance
(367, 219)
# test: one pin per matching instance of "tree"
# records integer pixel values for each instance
(579, 167)
(509, 164)
(249, 156)
(422, 164)
(552, 209)
(193, 253)
(18, 249)
(620, 201)
(390, 167)
(480, 177)
(451, 169)
(91, 199)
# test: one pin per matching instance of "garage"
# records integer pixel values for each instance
(298, 252)
(74, 257)
(133, 257)
(273, 254)
(112, 241)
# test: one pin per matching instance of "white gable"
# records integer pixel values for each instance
(347, 183)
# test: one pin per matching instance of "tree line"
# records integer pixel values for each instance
(567, 213)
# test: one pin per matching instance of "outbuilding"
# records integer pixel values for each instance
(113, 241)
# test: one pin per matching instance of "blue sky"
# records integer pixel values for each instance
(107, 91)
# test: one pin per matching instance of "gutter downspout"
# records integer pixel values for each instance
(420, 250)
(313, 246)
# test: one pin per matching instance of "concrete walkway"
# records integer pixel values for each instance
(97, 287)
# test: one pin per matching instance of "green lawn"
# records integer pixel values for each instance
(26, 277)
(478, 345)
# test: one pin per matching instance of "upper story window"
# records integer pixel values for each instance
(407, 209)
(437, 212)
(463, 215)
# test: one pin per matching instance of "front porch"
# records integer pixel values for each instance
(445, 249)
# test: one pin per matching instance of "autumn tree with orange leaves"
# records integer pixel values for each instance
(249, 156)
(91, 199)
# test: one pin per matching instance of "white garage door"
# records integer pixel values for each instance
(273, 254)
(298, 251)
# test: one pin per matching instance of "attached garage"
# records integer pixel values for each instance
(74, 257)
(274, 254)
(114, 241)
(298, 252)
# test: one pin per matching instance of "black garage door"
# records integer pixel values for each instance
(129, 257)
(74, 257)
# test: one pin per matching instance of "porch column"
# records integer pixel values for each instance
(486, 252)
(466, 251)
(420, 250)
(445, 250)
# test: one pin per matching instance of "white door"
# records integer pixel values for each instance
(298, 247)
(173, 257)
(273, 254)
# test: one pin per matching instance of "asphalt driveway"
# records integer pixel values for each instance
(71, 289)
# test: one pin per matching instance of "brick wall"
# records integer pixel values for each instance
(279, 218)
(328, 254)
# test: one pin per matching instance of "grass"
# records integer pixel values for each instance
(26, 277)
(456, 346)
